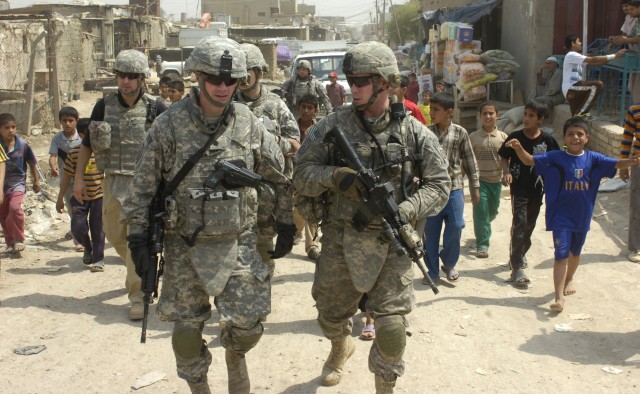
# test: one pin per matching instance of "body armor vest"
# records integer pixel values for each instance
(201, 209)
(128, 128)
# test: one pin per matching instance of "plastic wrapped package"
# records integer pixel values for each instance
(471, 71)
(469, 57)
(496, 55)
(496, 67)
(485, 79)
(476, 93)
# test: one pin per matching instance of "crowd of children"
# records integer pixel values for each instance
(528, 161)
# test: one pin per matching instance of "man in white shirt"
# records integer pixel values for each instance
(581, 94)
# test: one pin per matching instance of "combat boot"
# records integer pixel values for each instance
(201, 387)
(341, 350)
(237, 371)
(384, 386)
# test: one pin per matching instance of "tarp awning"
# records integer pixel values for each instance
(470, 13)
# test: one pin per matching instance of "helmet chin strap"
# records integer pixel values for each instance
(373, 97)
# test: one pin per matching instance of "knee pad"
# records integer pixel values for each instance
(391, 337)
(187, 339)
(240, 340)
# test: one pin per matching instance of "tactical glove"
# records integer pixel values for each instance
(404, 210)
(284, 242)
(348, 183)
(140, 252)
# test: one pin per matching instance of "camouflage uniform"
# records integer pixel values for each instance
(276, 117)
(115, 143)
(352, 262)
(223, 261)
(297, 87)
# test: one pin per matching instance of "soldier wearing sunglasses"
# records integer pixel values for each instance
(399, 150)
(118, 124)
(210, 229)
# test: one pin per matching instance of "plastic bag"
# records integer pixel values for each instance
(496, 54)
(471, 71)
(476, 93)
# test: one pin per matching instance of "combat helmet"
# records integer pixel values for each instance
(218, 56)
(131, 61)
(372, 57)
(254, 57)
(304, 64)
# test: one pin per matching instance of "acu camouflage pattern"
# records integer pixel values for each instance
(174, 137)
(128, 126)
(254, 57)
(278, 120)
(131, 61)
(367, 264)
(224, 266)
(207, 54)
(295, 88)
(242, 305)
(372, 57)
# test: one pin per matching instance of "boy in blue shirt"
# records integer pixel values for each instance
(572, 178)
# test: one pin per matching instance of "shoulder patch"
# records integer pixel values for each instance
(313, 133)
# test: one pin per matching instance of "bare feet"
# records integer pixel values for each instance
(557, 306)
(568, 288)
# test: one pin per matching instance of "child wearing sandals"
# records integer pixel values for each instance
(572, 179)
(86, 216)
(485, 143)
(525, 186)
(456, 146)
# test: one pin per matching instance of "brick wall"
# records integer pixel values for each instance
(271, 57)
(604, 137)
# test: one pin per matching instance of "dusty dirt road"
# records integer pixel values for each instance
(479, 335)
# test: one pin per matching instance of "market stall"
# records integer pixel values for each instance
(474, 75)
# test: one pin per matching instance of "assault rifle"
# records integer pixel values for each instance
(379, 203)
(151, 276)
(232, 174)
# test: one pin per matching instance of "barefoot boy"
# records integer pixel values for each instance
(526, 187)
(485, 143)
(572, 178)
(455, 144)
(20, 155)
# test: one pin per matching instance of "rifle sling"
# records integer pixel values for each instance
(193, 159)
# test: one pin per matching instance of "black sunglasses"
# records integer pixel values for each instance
(130, 76)
(217, 80)
(359, 81)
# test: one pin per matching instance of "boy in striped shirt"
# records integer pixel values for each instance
(86, 216)
(631, 144)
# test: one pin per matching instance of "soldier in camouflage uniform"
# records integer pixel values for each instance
(119, 122)
(353, 263)
(303, 82)
(210, 239)
(276, 117)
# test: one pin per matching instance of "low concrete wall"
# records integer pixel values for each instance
(604, 137)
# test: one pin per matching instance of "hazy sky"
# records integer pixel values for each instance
(356, 11)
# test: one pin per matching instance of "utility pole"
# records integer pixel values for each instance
(396, 20)
(384, 12)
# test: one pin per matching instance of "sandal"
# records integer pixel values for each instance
(482, 254)
(520, 278)
(368, 333)
(98, 266)
(79, 248)
(452, 274)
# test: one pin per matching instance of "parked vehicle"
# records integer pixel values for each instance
(324, 63)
